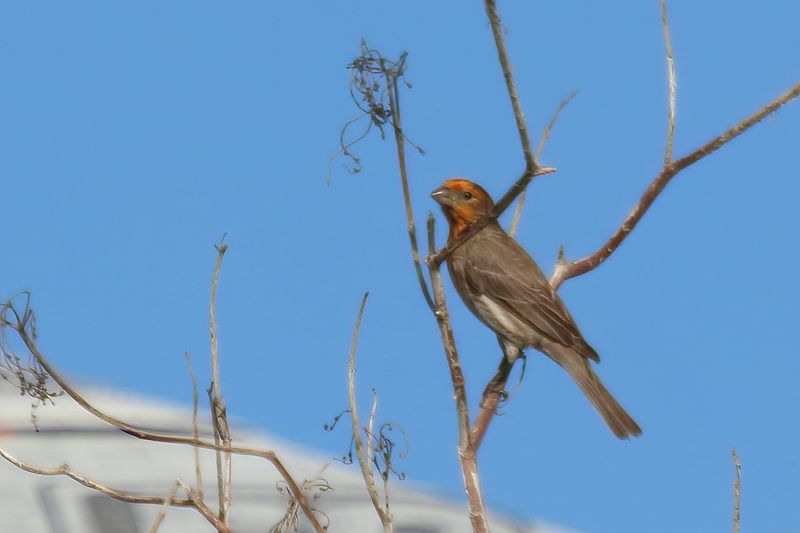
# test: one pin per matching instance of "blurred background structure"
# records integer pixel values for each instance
(67, 434)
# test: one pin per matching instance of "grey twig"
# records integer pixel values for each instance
(505, 65)
(219, 415)
(364, 456)
(204, 510)
(737, 491)
(537, 155)
(673, 84)
(198, 473)
(167, 503)
(375, 89)
(65, 470)
(394, 106)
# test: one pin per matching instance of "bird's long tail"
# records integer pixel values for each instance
(618, 420)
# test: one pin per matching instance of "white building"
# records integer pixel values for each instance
(56, 504)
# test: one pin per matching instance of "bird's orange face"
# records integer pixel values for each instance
(463, 203)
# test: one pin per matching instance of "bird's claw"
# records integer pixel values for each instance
(493, 396)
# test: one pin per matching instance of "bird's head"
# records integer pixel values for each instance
(463, 203)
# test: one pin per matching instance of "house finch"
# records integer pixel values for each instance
(505, 289)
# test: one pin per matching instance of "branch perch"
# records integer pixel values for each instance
(467, 453)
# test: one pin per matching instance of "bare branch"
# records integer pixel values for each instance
(219, 415)
(212, 320)
(21, 326)
(673, 84)
(505, 64)
(28, 377)
(65, 470)
(488, 409)
(549, 128)
(163, 512)
(532, 168)
(484, 419)
(371, 425)
(542, 142)
(737, 491)
(739, 128)
(204, 510)
(466, 452)
(565, 270)
(374, 87)
(198, 473)
(363, 455)
(394, 105)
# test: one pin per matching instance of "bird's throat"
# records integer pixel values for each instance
(457, 228)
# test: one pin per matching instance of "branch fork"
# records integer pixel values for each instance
(471, 439)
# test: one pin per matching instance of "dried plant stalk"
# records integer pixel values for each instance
(737, 491)
(198, 473)
(219, 415)
(163, 512)
(364, 455)
(20, 322)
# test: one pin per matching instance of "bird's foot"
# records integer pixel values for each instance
(494, 395)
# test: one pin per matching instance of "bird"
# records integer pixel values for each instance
(505, 289)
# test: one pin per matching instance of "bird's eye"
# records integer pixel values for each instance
(468, 195)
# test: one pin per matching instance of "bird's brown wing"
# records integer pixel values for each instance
(499, 268)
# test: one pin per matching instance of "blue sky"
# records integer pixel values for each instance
(133, 135)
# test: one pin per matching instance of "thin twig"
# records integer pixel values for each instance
(565, 270)
(505, 64)
(371, 426)
(315, 487)
(364, 460)
(65, 470)
(673, 84)
(737, 491)
(198, 474)
(212, 321)
(204, 509)
(163, 512)
(537, 155)
(21, 328)
(388, 466)
(467, 454)
(399, 137)
(219, 416)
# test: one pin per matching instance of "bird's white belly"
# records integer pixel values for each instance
(506, 324)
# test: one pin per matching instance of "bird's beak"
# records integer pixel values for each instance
(443, 196)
